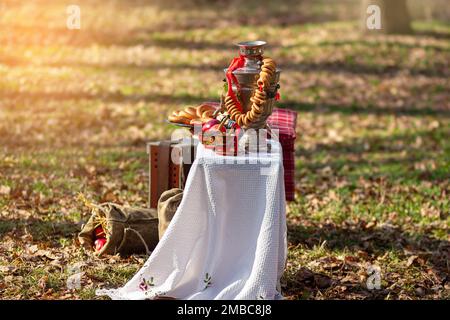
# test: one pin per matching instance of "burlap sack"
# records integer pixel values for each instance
(128, 230)
(167, 206)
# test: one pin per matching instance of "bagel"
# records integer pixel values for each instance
(207, 114)
(204, 107)
(179, 119)
(192, 111)
(196, 122)
(186, 114)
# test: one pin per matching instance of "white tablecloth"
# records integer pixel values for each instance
(227, 239)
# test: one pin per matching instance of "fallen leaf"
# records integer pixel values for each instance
(371, 225)
(420, 291)
(56, 263)
(322, 281)
(42, 283)
(342, 288)
(5, 190)
(47, 254)
(33, 249)
(7, 269)
(411, 260)
(109, 196)
(348, 278)
(330, 263)
(363, 254)
(351, 260)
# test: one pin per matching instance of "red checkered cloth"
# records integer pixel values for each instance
(285, 121)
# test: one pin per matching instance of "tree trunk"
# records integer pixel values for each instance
(395, 18)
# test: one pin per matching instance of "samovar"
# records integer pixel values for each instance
(247, 76)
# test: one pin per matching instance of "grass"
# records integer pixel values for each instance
(372, 154)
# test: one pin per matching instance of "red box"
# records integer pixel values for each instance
(285, 121)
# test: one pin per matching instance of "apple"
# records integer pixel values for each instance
(215, 128)
(210, 131)
(99, 243)
(99, 232)
(209, 124)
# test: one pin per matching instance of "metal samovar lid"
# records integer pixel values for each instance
(252, 52)
(251, 48)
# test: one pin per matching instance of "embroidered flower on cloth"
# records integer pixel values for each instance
(207, 281)
(145, 284)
